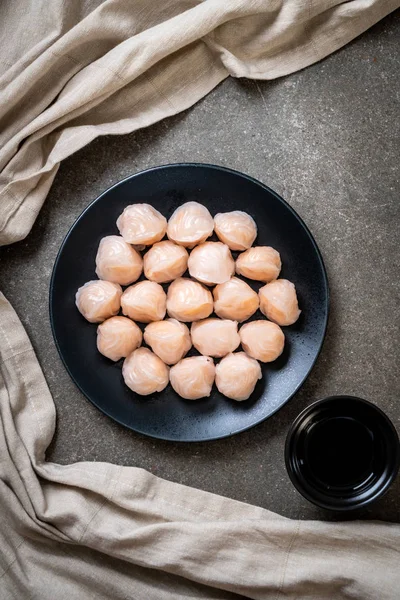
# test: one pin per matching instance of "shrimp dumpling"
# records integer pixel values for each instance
(144, 302)
(117, 337)
(261, 263)
(169, 339)
(98, 300)
(190, 224)
(117, 261)
(236, 229)
(192, 378)
(236, 376)
(262, 340)
(211, 263)
(141, 224)
(188, 300)
(144, 372)
(278, 302)
(235, 300)
(215, 337)
(165, 261)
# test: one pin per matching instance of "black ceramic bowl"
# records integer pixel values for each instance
(342, 453)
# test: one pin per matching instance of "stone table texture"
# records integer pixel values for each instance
(327, 140)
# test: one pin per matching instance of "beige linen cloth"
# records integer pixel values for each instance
(72, 70)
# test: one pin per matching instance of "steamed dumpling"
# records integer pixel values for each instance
(278, 302)
(144, 302)
(188, 300)
(117, 261)
(169, 339)
(192, 378)
(144, 372)
(190, 224)
(117, 337)
(235, 300)
(236, 376)
(211, 263)
(141, 224)
(262, 340)
(98, 300)
(261, 263)
(236, 229)
(215, 337)
(165, 262)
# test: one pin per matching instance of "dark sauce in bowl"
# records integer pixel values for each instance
(342, 453)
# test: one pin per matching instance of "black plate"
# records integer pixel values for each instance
(165, 415)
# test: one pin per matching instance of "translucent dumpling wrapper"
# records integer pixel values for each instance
(192, 378)
(98, 300)
(117, 261)
(188, 300)
(262, 340)
(235, 300)
(261, 263)
(211, 263)
(278, 302)
(215, 337)
(165, 261)
(169, 339)
(190, 224)
(144, 372)
(117, 337)
(144, 302)
(236, 376)
(236, 229)
(141, 224)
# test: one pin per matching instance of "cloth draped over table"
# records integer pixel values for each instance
(69, 72)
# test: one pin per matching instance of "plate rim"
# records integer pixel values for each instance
(232, 172)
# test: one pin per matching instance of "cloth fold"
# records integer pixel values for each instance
(71, 71)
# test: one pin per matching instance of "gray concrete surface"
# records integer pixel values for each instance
(327, 140)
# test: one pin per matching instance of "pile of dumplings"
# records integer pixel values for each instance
(214, 285)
